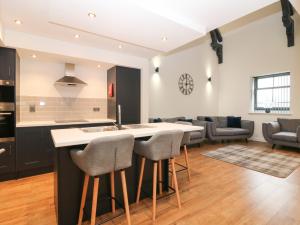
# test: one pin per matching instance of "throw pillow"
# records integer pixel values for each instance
(186, 120)
(158, 120)
(234, 122)
(208, 119)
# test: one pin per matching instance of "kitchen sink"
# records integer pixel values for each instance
(113, 128)
(98, 129)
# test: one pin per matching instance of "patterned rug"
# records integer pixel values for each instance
(274, 164)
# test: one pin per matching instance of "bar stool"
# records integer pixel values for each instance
(161, 146)
(185, 141)
(102, 156)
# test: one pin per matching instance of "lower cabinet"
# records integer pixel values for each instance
(7, 158)
(34, 148)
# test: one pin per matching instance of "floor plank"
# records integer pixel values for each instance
(219, 193)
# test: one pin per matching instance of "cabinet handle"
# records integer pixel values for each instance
(31, 163)
(9, 113)
(9, 71)
(2, 150)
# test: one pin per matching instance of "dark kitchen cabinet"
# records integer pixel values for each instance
(7, 157)
(34, 149)
(8, 62)
(126, 85)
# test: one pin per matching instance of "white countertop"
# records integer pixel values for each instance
(75, 136)
(53, 123)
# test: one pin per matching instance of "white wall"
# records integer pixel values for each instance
(1, 34)
(256, 49)
(37, 43)
(165, 98)
(37, 78)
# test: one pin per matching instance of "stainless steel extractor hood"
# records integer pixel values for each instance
(70, 79)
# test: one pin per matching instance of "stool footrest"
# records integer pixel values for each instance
(120, 207)
(183, 168)
(149, 195)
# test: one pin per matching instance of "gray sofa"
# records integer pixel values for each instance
(217, 130)
(196, 137)
(284, 132)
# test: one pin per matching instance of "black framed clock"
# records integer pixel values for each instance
(186, 84)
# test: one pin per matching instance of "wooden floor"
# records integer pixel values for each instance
(219, 194)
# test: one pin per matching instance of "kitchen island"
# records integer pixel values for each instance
(69, 178)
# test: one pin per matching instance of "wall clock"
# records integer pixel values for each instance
(186, 84)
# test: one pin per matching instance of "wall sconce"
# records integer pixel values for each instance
(156, 70)
(209, 79)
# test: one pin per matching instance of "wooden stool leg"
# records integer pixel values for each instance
(187, 162)
(140, 180)
(172, 180)
(112, 190)
(125, 196)
(83, 198)
(154, 190)
(160, 177)
(95, 197)
(175, 182)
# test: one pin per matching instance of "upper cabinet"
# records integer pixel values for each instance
(124, 88)
(8, 59)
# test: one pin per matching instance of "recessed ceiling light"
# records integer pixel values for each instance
(33, 56)
(98, 66)
(18, 22)
(164, 38)
(92, 15)
(120, 46)
(76, 36)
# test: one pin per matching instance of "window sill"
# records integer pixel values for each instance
(272, 113)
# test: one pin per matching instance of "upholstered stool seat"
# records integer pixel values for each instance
(102, 156)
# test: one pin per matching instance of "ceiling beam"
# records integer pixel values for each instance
(288, 22)
(216, 44)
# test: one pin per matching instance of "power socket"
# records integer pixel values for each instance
(31, 108)
(96, 109)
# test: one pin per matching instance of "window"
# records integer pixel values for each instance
(272, 92)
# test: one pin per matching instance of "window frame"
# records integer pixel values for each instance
(255, 89)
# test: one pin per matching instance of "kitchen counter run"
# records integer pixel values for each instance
(53, 123)
(76, 136)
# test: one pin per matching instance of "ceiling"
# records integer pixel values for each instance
(138, 25)
(47, 57)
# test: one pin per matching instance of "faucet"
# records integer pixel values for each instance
(119, 118)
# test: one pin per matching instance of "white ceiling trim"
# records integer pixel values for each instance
(38, 43)
(296, 4)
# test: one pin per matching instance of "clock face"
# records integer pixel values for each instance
(186, 84)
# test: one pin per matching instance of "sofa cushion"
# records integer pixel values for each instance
(230, 131)
(195, 134)
(222, 122)
(172, 119)
(289, 125)
(285, 136)
(233, 121)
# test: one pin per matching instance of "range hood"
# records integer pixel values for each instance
(70, 79)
